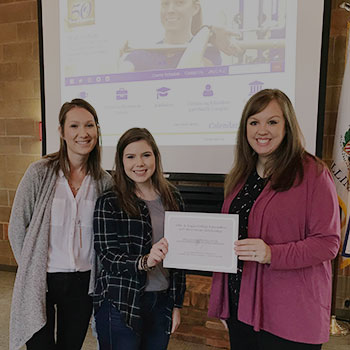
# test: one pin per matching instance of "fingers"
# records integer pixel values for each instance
(225, 41)
(176, 320)
(174, 327)
(252, 249)
(161, 246)
(251, 256)
(158, 252)
(231, 49)
(164, 241)
(224, 323)
(235, 48)
(246, 249)
(247, 254)
(247, 241)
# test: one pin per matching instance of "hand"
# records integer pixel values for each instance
(224, 323)
(176, 319)
(225, 41)
(158, 252)
(253, 249)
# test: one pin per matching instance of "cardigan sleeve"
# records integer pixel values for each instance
(106, 183)
(22, 209)
(322, 231)
(106, 242)
(219, 295)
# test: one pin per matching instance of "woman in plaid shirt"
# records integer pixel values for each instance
(136, 300)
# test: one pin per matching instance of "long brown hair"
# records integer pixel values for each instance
(125, 187)
(197, 20)
(60, 159)
(285, 164)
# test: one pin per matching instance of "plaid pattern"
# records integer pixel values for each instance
(120, 241)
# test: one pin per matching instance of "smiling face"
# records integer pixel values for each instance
(79, 132)
(266, 130)
(139, 162)
(177, 15)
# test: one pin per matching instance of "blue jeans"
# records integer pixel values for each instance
(113, 334)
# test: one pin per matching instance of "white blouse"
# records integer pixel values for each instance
(71, 230)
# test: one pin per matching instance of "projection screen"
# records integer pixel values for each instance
(181, 68)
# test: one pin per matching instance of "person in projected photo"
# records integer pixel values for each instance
(182, 23)
(289, 231)
(136, 301)
(51, 236)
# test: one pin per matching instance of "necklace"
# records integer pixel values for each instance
(77, 178)
(74, 189)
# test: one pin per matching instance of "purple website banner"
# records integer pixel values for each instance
(163, 74)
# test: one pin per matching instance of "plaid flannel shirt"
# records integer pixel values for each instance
(120, 241)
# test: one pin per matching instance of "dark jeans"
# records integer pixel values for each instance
(67, 296)
(243, 337)
(113, 334)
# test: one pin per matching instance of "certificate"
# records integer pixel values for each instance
(201, 241)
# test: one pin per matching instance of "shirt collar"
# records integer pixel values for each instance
(61, 174)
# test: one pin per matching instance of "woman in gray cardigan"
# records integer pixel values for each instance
(51, 236)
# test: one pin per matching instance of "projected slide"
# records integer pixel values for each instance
(182, 68)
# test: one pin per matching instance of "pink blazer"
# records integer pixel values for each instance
(291, 297)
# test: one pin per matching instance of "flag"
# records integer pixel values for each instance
(341, 163)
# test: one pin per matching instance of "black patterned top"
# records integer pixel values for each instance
(241, 205)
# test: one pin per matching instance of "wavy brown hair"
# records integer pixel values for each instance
(125, 187)
(285, 165)
(197, 20)
(60, 159)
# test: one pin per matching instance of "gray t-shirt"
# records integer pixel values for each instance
(157, 279)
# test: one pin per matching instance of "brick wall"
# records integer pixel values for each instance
(19, 104)
(20, 97)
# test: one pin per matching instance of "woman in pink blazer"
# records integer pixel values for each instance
(289, 231)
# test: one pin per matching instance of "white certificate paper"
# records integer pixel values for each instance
(201, 241)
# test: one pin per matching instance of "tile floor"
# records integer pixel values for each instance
(6, 285)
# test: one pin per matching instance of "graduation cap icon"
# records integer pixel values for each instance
(162, 92)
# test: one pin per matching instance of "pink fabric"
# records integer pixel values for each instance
(291, 297)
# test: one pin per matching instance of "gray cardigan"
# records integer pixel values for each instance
(29, 229)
